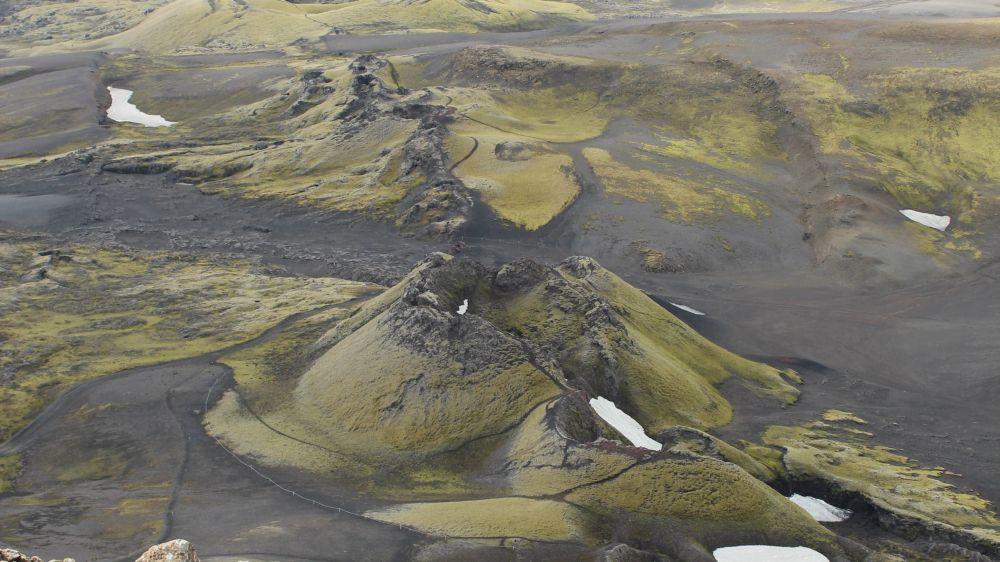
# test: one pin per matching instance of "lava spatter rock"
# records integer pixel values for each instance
(518, 275)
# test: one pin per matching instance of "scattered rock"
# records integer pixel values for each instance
(11, 555)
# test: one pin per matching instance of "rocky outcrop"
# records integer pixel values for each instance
(314, 87)
(437, 203)
(11, 555)
(178, 550)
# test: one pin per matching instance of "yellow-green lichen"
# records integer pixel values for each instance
(553, 115)
(670, 369)
(447, 15)
(82, 312)
(97, 465)
(929, 135)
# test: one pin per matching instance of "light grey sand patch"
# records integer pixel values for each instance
(22, 211)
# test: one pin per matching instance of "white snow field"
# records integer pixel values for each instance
(687, 309)
(124, 112)
(764, 553)
(624, 423)
(934, 221)
(820, 510)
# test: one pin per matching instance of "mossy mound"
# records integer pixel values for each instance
(713, 116)
(508, 69)
(559, 446)
(525, 184)
(486, 412)
(180, 26)
(199, 26)
(435, 379)
(908, 498)
(361, 145)
(412, 139)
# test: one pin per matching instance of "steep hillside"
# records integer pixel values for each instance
(200, 26)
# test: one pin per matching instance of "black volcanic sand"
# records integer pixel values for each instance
(917, 357)
(50, 103)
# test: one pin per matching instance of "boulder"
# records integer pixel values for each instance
(177, 550)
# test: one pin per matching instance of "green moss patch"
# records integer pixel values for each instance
(9, 467)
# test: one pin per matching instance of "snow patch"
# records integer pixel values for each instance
(624, 423)
(764, 553)
(687, 309)
(934, 221)
(464, 307)
(820, 510)
(124, 112)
